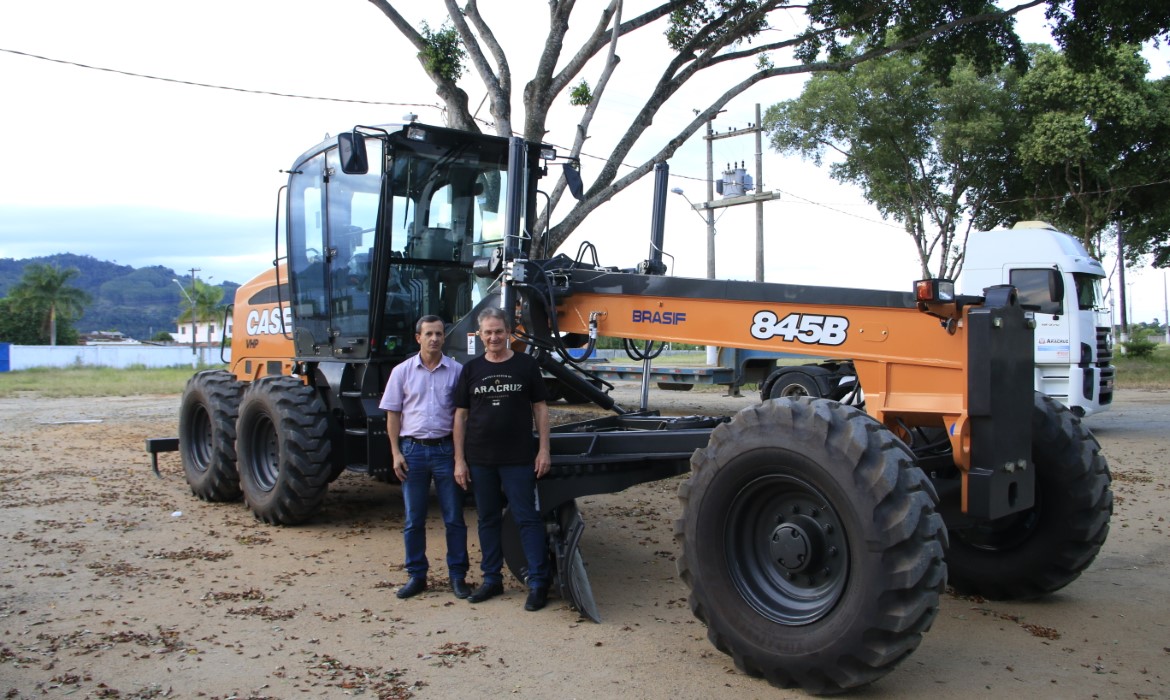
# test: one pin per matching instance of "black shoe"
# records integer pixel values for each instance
(459, 586)
(537, 598)
(485, 591)
(416, 585)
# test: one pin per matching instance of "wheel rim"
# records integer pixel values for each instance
(264, 456)
(786, 549)
(793, 391)
(200, 439)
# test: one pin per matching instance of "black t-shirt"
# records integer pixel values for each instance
(499, 398)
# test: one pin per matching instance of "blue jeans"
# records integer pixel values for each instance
(518, 484)
(423, 464)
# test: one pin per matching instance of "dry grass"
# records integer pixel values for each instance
(1144, 372)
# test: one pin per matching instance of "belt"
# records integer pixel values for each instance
(430, 442)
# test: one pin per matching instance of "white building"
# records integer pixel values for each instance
(202, 328)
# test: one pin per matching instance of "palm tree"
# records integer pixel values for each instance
(202, 303)
(46, 289)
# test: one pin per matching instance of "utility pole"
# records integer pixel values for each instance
(1121, 287)
(758, 198)
(759, 129)
(710, 138)
(191, 299)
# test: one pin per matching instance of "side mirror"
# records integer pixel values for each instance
(351, 148)
(1055, 286)
(573, 180)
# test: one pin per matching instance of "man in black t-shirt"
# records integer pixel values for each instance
(499, 396)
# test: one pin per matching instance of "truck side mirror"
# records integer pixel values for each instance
(1055, 286)
(351, 149)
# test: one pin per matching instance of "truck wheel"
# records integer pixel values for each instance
(811, 545)
(207, 435)
(792, 385)
(1042, 550)
(283, 450)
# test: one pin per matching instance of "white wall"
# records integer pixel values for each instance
(29, 356)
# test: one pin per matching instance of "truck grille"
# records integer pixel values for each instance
(1103, 362)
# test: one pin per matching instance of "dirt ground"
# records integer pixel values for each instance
(117, 584)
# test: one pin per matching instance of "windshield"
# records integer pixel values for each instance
(1089, 294)
(446, 209)
(410, 228)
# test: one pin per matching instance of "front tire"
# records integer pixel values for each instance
(207, 435)
(1030, 554)
(811, 545)
(283, 450)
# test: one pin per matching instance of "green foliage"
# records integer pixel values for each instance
(1094, 152)
(162, 337)
(444, 52)
(1150, 371)
(22, 326)
(581, 95)
(926, 152)
(45, 290)
(706, 22)
(1093, 28)
(147, 302)
(1139, 344)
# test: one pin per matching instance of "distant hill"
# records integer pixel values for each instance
(139, 302)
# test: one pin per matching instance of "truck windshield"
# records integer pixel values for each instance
(1089, 294)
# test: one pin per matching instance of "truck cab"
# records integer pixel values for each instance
(1060, 284)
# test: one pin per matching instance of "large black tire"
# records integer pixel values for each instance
(1030, 554)
(791, 385)
(283, 445)
(811, 545)
(207, 435)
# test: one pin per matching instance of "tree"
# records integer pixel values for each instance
(1094, 154)
(19, 326)
(736, 40)
(45, 291)
(201, 304)
(927, 152)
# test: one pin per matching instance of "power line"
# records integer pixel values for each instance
(440, 108)
(840, 211)
(215, 87)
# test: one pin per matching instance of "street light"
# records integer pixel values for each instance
(694, 207)
(192, 303)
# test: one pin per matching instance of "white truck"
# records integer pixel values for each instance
(1060, 283)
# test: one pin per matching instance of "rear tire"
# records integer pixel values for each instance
(811, 545)
(792, 385)
(207, 435)
(1030, 554)
(283, 443)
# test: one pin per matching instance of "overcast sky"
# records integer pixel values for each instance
(149, 172)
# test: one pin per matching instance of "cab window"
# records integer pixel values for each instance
(1040, 290)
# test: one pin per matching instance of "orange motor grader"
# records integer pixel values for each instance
(816, 536)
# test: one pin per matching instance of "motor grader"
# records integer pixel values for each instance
(816, 536)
